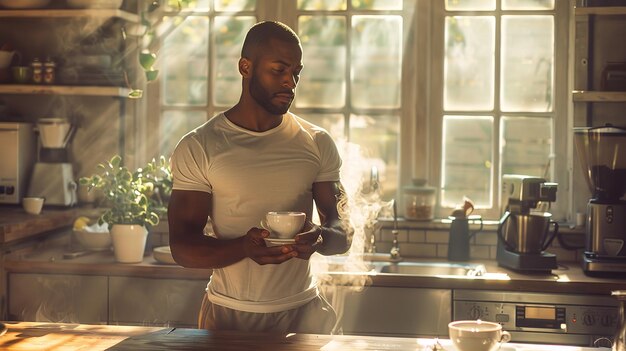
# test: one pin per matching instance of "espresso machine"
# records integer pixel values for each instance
(53, 175)
(602, 154)
(524, 229)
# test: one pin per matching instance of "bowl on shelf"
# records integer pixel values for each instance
(163, 254)
(94, 241)
(24, 4)
(95, 4)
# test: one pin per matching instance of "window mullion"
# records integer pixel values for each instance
(497, 113)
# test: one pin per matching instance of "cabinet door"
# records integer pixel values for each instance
(155, 302)
(57, 298)
(393, 311)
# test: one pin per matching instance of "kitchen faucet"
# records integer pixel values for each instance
(395, 246)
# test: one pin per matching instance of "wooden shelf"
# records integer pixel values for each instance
(605, 10)
(82, 13)
(599, 96)
(63, 90)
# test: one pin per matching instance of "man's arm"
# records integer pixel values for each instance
(187, 215)
(336, 231)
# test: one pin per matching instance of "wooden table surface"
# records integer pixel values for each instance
(31, 336)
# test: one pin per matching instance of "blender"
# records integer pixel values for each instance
(602, 154)
(524, 231)
(53, 176)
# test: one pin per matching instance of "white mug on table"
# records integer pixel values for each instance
(477, 335)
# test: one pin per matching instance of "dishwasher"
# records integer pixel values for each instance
(548, 318)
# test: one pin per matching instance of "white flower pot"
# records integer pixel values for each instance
(129, 242)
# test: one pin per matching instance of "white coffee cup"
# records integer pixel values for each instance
(284, 224)
(477, 335)
(32, 205)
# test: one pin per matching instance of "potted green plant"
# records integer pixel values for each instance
(130, 208)
(152, 22)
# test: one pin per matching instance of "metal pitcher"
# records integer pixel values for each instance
(460, 235)
(527, 233)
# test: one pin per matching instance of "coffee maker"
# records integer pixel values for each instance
(524, 231)
(602, 154)
(53, 175)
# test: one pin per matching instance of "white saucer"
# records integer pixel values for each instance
(276, 241)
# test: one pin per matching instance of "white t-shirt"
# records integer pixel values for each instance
(250, 173)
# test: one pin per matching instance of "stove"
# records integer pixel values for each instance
(548, 318)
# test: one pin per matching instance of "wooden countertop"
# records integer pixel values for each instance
(31, 336)
(16, 224)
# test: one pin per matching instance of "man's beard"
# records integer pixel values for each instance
(264, 98)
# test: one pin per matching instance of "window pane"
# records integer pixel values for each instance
(323, 79)
(527, 63)
(235, 5)
(185, 62)
(229, 35)
(174, 125)
(334, 123)
(377, 4)
(469, 63)
(467, 160)
(470, 5)
(376, 61)
(378, 137)
(327, 5)
(527, 4)
(526, 145)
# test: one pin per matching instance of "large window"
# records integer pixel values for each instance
(500, 107)
(458, 92)
(351, 83)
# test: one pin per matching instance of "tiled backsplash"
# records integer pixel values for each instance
(430, 240)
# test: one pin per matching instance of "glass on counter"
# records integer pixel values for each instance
(419, 201)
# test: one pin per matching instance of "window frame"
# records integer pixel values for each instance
(560, 171)
(421, 111)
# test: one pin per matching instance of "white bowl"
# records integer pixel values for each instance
(24, 4)
(32, 205)
(163, 254)
(95, 4)
(94, 241)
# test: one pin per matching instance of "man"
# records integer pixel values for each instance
(254, 158)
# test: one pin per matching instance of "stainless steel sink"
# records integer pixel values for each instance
(434, 269)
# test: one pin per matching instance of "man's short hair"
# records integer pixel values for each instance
(261, 33)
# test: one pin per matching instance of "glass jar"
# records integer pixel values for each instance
(37, 67)
(49, 74)
(419, 201)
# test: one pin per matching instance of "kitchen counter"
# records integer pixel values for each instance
(52, 261)
(26, 336)
(16, 224)
(568, 278)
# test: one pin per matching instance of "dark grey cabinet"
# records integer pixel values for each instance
(118, 300)
(393, 311)
(58, 298)
(155, 302)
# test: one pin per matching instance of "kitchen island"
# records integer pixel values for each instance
(27, 336)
